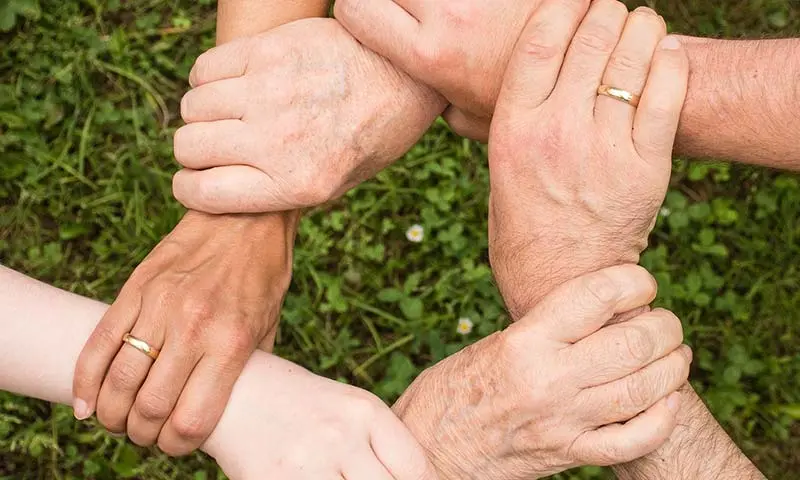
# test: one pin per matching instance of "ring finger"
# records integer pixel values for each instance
(127, 373)
(624, 399)
(159, 394)
(629, 67)
(621, 349)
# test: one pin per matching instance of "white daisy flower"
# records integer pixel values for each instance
(415, 234)
(464, 326)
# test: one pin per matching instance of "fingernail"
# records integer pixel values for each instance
(670, 42)
(117, 435)
(674, 401)
(646, 10)
(81, 409)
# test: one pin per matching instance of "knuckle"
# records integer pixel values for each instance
(672, 323)
(609, 454)
(539, 48)
(602, 288)
(124, 377)
(638, 345)
(512, 342)
(191, 427)
(335, 434)
(200, 68)
(168, 448)
(348, 9)
(152, 406)
(157, 293)
(196, 311)
(652, 284)
(206, 192)
(240, 341)
(140, 441)
(597, 39)
(110, 419)
(629, 62)
(430, 54)
(106, 336)
(577, 7)
(172, 448)
(460, 14)
(638, 393)
(661, 110)
(315, 188)
(365, 405)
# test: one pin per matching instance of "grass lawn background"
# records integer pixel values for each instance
(89, 95)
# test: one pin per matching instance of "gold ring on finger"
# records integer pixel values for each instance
(141, 345)
(619, 94)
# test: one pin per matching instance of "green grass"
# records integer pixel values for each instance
(89, 95)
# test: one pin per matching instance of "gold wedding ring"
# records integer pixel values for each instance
(619, 94)
(140, 345)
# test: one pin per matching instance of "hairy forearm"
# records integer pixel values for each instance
(743, 102)
(698, 449)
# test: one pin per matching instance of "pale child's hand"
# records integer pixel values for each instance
(283, 422)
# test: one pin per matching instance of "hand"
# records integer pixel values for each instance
(283, 422)
(206, 296)
(549, 393)
(459, 47)
(293, 118)
(577, 179)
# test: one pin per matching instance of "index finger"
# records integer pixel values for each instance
(383, 26)
(583, 305)
(398, 450)
(228, 60)
(538, 55)
(100, 350)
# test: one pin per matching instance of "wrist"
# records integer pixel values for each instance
(442, 399)
(698, 448)
(551, 259)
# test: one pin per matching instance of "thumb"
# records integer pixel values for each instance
(228, 189)
(585, 304)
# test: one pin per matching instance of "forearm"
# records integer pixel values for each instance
(43, 331)
(242, 18)
(527, 269)
(743, 101)
(698, 449)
